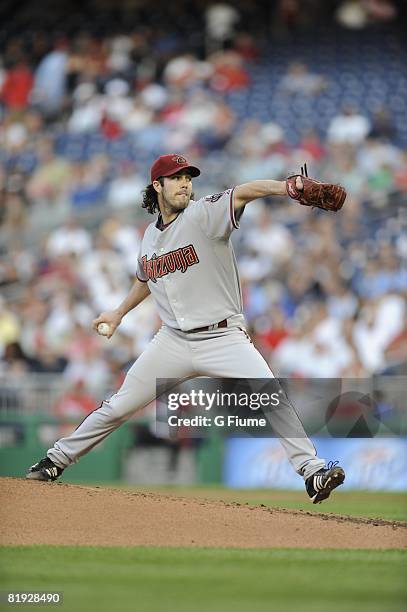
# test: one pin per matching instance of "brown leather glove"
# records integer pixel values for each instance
(314, 193)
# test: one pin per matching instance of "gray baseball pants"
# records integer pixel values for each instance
(219, 353)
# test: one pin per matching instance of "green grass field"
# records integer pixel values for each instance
(222, 580)
(372, 504)
(212, 580)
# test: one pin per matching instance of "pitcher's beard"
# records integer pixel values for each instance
(178, 205)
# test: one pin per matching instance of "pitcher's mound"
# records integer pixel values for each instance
(56, 513)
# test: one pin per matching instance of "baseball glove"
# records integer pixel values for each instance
(314, 193)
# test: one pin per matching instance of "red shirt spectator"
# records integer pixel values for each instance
(229, 72)
(17, 86)
(312, 145)
(110, 128)
(75, 402)
(400, 176)
(272, 337)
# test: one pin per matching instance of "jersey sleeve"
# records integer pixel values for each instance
(215, 214)
(140, 273)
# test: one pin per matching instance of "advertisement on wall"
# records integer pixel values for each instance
(370, 464)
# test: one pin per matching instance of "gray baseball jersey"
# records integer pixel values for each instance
(191, 272)
(190, 265)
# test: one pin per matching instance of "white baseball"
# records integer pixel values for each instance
(103, 329)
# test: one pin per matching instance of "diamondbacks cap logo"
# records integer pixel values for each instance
(179, 160)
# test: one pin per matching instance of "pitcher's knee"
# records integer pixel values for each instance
(116, 412)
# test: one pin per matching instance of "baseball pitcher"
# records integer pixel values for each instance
(187, 259)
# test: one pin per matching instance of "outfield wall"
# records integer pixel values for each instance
(370, 463)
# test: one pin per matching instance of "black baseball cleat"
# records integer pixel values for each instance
(44, 470)
(320, 485)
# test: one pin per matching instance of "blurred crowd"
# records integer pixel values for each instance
(83, 116)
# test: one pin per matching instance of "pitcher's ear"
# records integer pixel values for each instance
(157, 186)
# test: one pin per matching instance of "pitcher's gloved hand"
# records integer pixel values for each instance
(314, 193)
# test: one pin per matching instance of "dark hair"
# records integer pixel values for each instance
(150, 200)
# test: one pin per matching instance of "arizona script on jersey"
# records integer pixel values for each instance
(167, 263)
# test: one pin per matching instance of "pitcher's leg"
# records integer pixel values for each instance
(236, 357)
(165, 357)
(132, 396)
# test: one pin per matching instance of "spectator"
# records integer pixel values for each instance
(275, 331)
(270, 239)
(50, 80)
(299, 80)
(51, 178)
(221, 19)
(88, 360)
(102, 270)
(382, 125)
(381, 275)
(89, 184)
(47, 361)
(311, 144)
(75, 403)
(17, 86)
(229, 72)
(69, 238)
(290, 354)
(87, 109)
(182, 72)
(247, 142)
(138, 117)
(395, 354)
(376, 327)
(220, 131)
(341, 301)
(9, 326)
(298, 287)
(348, 127)
(124, 240)
(380, 10)
(376, 154)
(119, 60)
(347, 173)
(15, 363)
(118, 101)
(245, 44)
(289, 13)
(381, 182)
(125, 189)
(400, 176)
(14, 214)
(352, 14)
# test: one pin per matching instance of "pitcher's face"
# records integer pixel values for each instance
(175, 193)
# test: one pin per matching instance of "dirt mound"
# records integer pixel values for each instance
(57, 513)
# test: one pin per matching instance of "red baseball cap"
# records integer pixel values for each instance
(167, 165)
